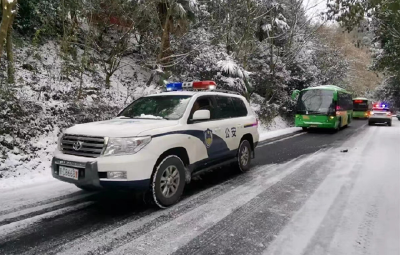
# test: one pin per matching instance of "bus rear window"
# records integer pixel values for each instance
(360, 105)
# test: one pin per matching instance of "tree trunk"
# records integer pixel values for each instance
(80, 85)
(6, 21)
(10, 54)
(108, 80)
(165, 40)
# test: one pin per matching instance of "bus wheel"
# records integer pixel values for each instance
(337, 127)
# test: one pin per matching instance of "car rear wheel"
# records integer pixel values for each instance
(244, 156)
(168, 181)
(390, 123)
(370, 123)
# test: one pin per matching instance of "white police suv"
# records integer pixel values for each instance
(160, 141)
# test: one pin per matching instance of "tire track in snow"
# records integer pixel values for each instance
(80, 233)
(175, 234)
(42, 208)
(18, 226)
(250, 228)
(350, 170)
(41, 203)
(107, 239)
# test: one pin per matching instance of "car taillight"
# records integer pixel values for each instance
(389, 114)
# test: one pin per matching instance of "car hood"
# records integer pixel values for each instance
(119, 127)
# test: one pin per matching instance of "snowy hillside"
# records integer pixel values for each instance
(48, 103)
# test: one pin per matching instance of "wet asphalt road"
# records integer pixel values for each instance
(248, 227)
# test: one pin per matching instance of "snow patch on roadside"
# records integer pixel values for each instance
(276, 133)
(28, 169)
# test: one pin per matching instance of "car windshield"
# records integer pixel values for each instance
(171, 107)
(360, 105)
(315, 101)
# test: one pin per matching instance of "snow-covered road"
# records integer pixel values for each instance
(303, 196)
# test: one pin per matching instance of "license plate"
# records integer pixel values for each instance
(68, 172)
(313, 126)
(305, 117)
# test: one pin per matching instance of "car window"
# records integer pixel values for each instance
(226, 108)
(157, 107)
(240, 107)
(204, 103)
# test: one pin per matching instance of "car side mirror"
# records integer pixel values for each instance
(295, 94)
(201, 115)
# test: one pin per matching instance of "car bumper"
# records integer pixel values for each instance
(360, 114)
(316, 124)
(93, 172)
(378, 119)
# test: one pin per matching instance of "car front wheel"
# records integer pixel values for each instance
(244, 156)
(168, 181)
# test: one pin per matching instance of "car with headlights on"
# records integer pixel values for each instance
(380, 114)
(159, 142)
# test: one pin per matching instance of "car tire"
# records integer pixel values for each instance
(168, 181)
(87, 187)
(244, 156)
(304, 128)
(370, 123)
(390, 123)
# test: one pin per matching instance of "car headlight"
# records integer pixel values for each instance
(126, 145)
(59, 141)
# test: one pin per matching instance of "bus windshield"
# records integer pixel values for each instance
(316, 101)
(360, 105)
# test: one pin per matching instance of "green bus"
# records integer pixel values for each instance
(361, 107)
(326, 106)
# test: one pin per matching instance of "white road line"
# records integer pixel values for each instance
(286, 138)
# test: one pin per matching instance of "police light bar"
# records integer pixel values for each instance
(175, 86)
(198, 85)
(381, 105)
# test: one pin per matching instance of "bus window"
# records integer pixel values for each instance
(360, 105)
